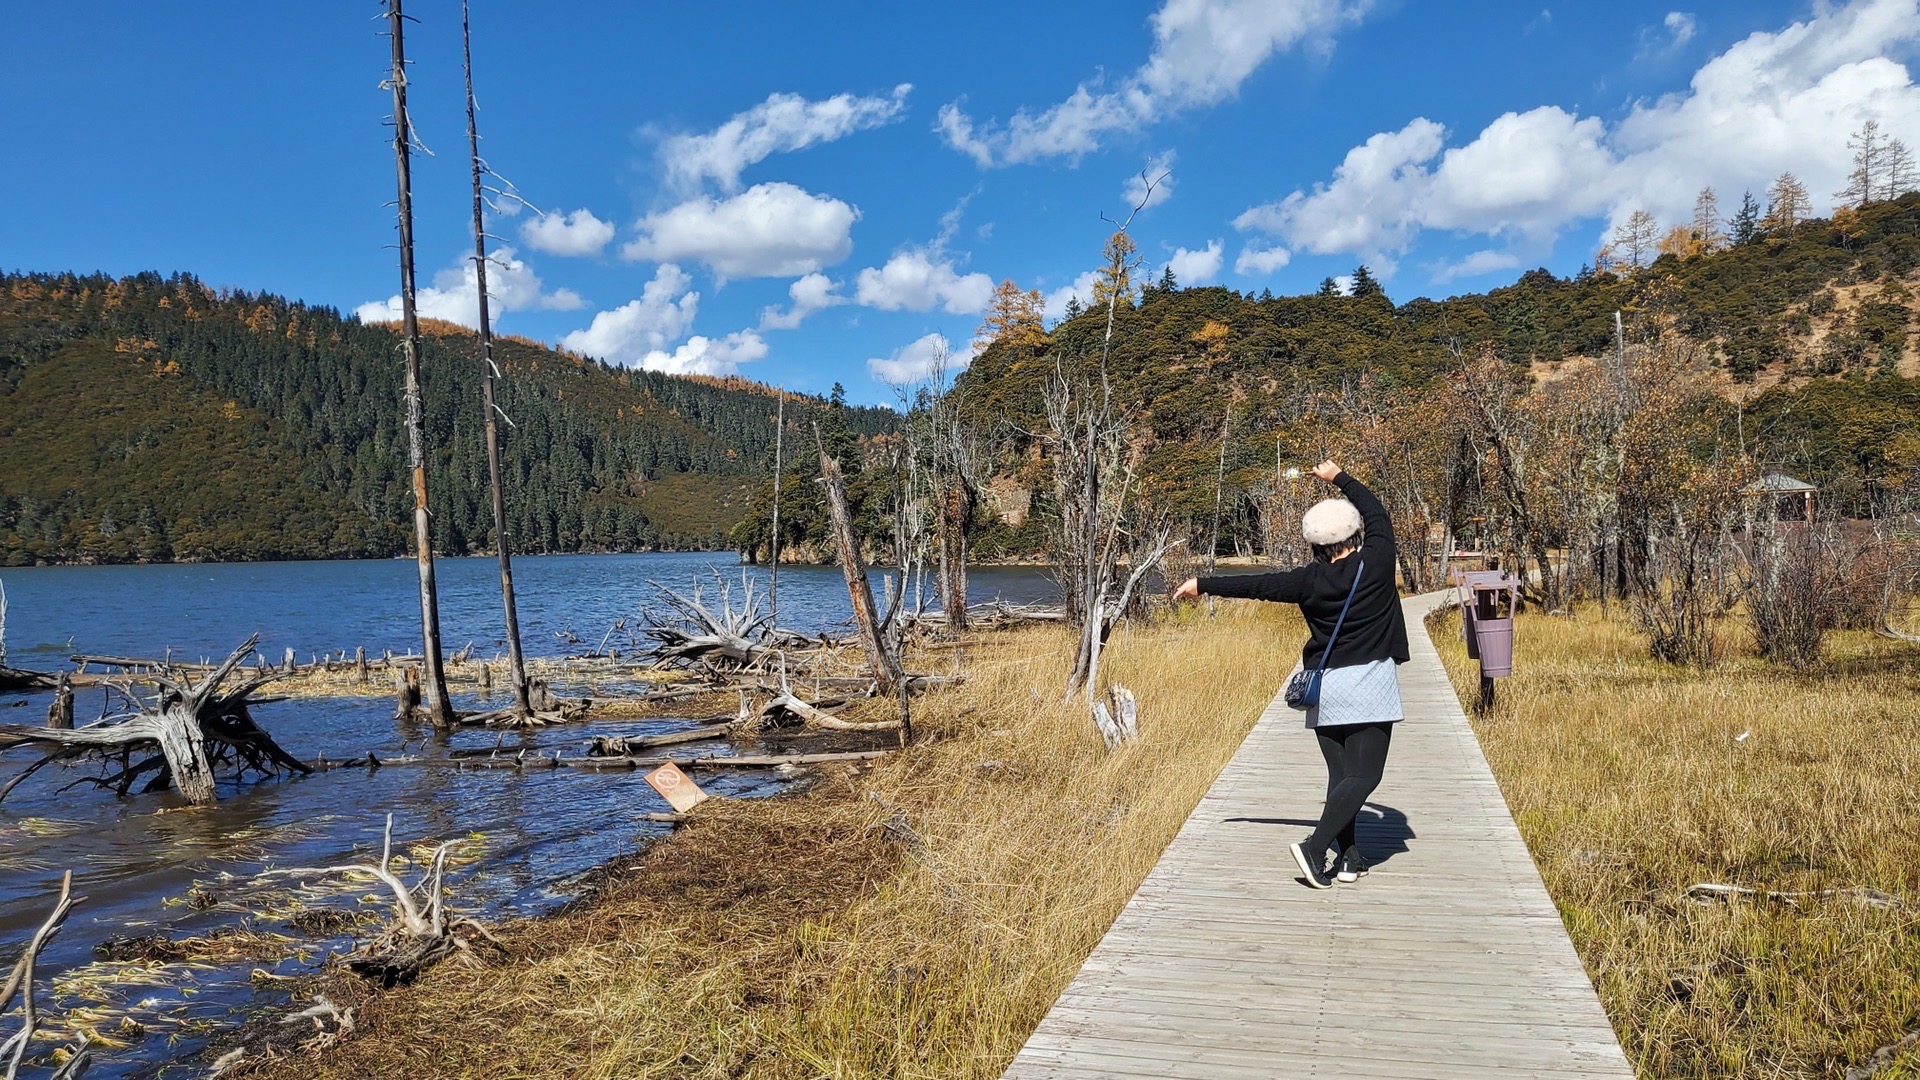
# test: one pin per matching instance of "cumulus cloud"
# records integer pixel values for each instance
(1773, 102)
(578, 233)
(1201, 267)
(783, 122)
(1254, 260)
(1203, 50)
(769, 230)
(1480, 262)
(626, 334)
(811, 293)
(1081, 289)
(455, 293)
(708, 356)
(920, 279)
(1159, 173)
(913, 362)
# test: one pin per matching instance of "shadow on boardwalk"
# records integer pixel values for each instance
(1381, 831)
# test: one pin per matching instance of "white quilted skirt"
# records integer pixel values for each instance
(1361, 694)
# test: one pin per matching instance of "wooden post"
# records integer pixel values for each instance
(486, 676)
(773, 571)
(60, 709)
(884, 667)
(360, 664)
(406, 688)
(287, 661)
(439, 709)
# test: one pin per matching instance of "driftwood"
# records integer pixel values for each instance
(528, 760)
(186, 733)
(726, 640)
(21, 681)
(422, 935)
(20, 983)
(60, 709)
(1710, 890)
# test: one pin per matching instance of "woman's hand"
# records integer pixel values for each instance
(1327, 471)
(1188, 590)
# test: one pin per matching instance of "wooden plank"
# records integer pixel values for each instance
(1449, 961)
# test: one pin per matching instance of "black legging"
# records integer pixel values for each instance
(1356, 757)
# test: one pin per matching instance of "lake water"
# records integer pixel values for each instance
(145, 869)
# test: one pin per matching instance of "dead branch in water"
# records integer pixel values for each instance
(20, 982)
(423, 933)
(182, 737)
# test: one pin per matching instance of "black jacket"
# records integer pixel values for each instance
(1375, 629)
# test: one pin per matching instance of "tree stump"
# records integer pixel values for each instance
(60, 709)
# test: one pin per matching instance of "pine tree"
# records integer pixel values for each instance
(1167, 283)
(1634, 240)
(1364, 283)
(1706, 222)
(1787, 206)
(1899, 173)
(1744, 228)
(1116, 273)
(1869, 163)
(1329, 287)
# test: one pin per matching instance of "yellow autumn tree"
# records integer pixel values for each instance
(1014, 318)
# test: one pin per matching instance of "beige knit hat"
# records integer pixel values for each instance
(1330, 521)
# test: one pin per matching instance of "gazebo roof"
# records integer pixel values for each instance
(1780, 484)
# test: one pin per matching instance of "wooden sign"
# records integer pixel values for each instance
(676, 787)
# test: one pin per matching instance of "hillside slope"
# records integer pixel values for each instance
(597, 457)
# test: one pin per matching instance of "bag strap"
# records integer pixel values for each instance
(1342, 620)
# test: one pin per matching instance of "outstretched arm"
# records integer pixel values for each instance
(1286, 586)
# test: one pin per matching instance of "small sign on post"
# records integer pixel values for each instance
(676, 787)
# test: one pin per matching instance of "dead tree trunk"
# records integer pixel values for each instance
(880, 659)
(488, 371)
(439, 708)
(60, 709)
(191, 729)
(20, 982)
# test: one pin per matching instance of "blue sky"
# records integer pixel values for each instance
(809, 194)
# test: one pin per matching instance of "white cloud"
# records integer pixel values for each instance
(1258, 260)
(1081, 290)
(783, 122)
(913, 362)
(1201, 267)
(578, 233)
(1159, 173)
(1202, 51)
(455, 293)
(708, 356)
(811, 293)
(769, 230)
(920, 279)
(1480, 262)
(1681, 25)
(628, 333)
(1773, 102)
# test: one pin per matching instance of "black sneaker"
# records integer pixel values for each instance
(1311, 866)
(1351, 866)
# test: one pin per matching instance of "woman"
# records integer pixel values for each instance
(1353, 552)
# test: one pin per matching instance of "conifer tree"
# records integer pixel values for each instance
(1328, 287)
(1899, 173)
(1869, 163)
(1634, 240)
(1364, 283)
(1744, 227)
(1787, 206)
(1706, 222)
(1168, 284)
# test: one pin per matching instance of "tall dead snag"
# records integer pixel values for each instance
(20, 983)
(187, 733)
(488, 372)
(1094, 468)
(434, 680)
(884, 666)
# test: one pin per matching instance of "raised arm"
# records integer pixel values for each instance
(1285, 586)
(1379, 527)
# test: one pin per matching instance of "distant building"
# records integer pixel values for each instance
(1792, 497)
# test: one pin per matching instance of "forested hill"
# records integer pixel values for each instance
(1821, 315)
(154, 418)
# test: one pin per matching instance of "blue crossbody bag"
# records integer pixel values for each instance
(1303, 690)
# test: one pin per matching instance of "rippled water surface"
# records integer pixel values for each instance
(146, 866)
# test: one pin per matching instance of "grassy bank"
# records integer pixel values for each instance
(1633, 780)
(913, 919)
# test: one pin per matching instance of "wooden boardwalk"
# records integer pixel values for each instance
(1448, 961)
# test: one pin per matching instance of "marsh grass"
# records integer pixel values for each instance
(1632, 780)
(800, 937)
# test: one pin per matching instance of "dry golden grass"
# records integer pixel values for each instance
(797, 937)
(1631, 781)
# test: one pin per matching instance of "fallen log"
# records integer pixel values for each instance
(187, 732)
(529, 760)
(787, 704)
(22, 681)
